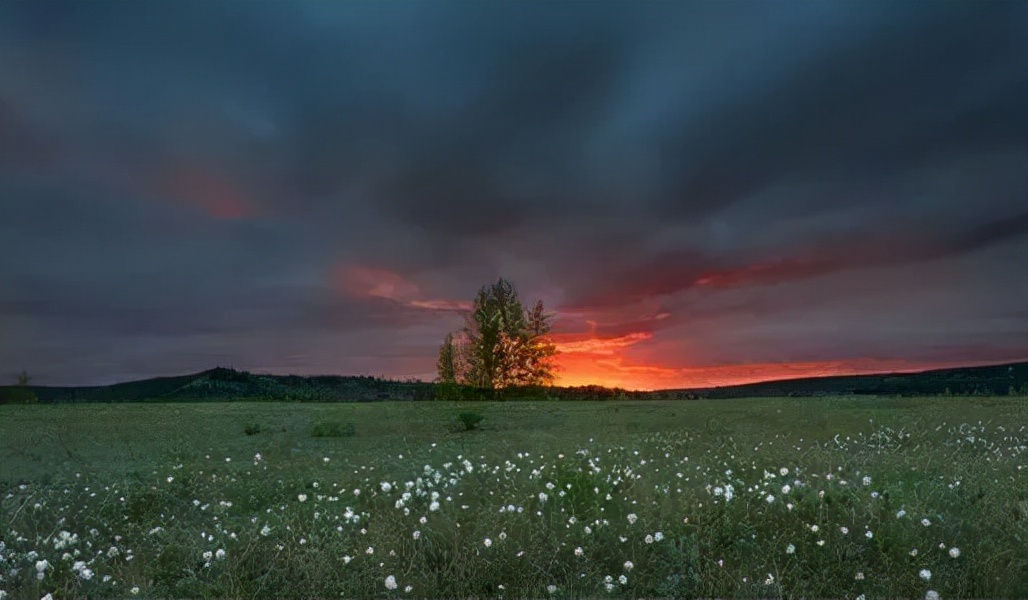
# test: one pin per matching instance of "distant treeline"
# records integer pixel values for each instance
(221, 384)
(992, 380)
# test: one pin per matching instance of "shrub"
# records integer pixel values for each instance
(18, 395)
(470, 420)
(334, 429)
(252, 428)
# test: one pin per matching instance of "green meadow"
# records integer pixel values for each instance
(769, 498)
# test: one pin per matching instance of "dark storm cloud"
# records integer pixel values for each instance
(223, 170)
(916, 88)
(675, 272)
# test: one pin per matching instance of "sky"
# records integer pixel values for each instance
(703, 193)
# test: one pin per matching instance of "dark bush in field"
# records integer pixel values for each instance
(470, 420)
(334, 429)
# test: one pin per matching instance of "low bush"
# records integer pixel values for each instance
(334, 429)
(470, 420)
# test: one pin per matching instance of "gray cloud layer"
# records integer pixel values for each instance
(191, 182)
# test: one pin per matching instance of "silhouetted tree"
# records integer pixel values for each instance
(445, 365)
(20, 393)
(542, 349)
(502, 344)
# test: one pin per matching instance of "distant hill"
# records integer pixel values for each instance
(221, 384)
(992, 380)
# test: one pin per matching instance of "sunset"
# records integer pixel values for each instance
(513, 299)
(700, 193)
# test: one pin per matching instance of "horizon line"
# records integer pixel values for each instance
(913, 371)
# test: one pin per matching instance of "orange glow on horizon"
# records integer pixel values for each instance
(595, 361)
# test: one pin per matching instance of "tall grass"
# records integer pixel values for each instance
(768, 499)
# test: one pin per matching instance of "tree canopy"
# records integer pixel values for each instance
(502, 344)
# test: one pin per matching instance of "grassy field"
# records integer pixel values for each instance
(776, 498)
